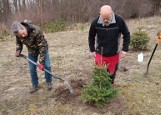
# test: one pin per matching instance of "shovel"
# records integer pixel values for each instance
(66, 82)
(158, 42)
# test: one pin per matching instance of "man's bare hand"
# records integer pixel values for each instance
(123, 54)
(93, 54)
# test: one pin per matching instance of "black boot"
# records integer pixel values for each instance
(114, 74)
(112, 78)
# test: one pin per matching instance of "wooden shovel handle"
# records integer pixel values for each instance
(159, 38)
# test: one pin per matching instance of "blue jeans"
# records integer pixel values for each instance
(33, 69)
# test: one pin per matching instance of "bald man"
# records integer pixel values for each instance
(106, 32)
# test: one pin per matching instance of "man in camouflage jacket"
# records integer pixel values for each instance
(33, 38)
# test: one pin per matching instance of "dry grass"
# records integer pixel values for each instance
(70, 58)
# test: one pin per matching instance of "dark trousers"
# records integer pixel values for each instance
(114, 74)
(33, 69)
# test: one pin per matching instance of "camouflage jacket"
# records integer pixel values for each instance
(35, 42)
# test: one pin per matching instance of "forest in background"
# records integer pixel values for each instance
(73, 11)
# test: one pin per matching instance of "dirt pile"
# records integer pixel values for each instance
(63, 94)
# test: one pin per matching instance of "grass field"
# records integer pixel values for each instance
(71, 59)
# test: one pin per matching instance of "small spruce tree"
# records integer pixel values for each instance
(140, 40)
(100, 91)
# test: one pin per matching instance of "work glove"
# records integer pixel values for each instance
(41, 66)
(18, 54)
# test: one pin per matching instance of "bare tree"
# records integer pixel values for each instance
(5, 11)
(42, 11)
(156, 6)
(15, 5)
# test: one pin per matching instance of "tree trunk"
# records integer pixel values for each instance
(15, 5)
(6, 12)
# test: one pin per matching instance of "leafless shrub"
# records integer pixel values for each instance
(42, 11)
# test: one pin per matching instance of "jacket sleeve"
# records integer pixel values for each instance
(42, 46)
(19, 45)
(91, 37)
(126, 36)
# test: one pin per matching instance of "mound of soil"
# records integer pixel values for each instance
(63, 94)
